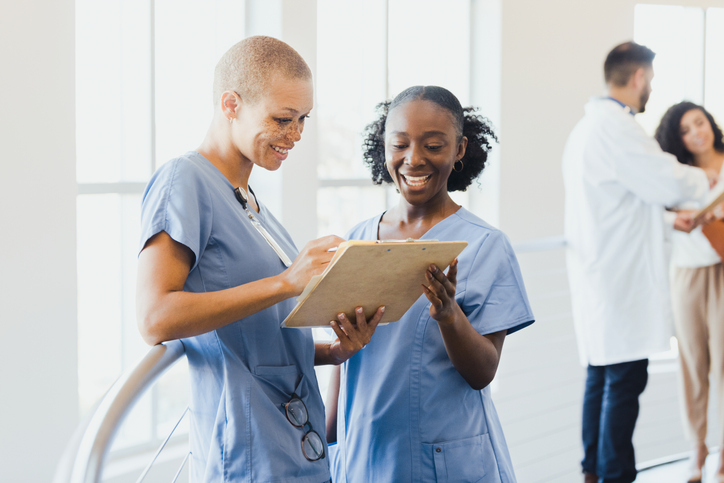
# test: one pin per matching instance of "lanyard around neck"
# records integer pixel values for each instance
(625, 107)
(242, 197)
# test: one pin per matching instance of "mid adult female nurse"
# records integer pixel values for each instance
(215, 271)
(415, 404)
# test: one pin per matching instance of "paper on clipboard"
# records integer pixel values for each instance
(709, 208)
(369, 274)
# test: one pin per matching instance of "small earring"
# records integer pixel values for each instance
(231, 120)
(461, 165)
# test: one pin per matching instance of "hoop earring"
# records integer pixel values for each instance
(461, 165)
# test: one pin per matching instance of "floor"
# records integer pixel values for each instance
(677, 472)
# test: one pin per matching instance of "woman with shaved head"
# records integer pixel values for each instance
(216, 271)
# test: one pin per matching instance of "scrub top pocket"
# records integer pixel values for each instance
(464, 460)
(278, 382)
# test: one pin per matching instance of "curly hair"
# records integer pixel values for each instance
(669, 136)
(474, 127)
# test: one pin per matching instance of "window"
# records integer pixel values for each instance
(689, 63)
(396, 51)
(144, 72)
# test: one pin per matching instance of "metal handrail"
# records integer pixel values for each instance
(83, 459)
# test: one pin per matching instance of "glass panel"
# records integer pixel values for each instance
(429, 44)
(351, 81)
(113, 98)
(137, 428)
(134, 348)
(172, 392)
(676, 34)
(191, 36)
(340, 209)
(713, 91)
(108, 339)
(99, 297)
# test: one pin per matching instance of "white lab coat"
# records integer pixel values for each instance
(618, 182)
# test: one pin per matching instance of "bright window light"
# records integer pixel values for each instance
(113, 91)
(429, 44)
(714, 85)
(676, 34)
(351, 81)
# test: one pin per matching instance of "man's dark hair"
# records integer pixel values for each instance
(624, 60)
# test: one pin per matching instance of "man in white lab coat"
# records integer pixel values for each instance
(618, 182)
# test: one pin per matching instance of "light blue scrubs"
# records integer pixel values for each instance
(242, 373)
(405, 414)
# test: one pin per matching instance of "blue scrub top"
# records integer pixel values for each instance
(243, 373)
(405, 414)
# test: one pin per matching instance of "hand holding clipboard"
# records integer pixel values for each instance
(699, 217)
(370, 274)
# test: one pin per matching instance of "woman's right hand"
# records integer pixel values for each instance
(311, 261)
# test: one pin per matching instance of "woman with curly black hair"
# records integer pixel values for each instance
(415, 404)
(690, 133)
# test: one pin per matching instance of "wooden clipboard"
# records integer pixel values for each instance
(708, 208)
(370, 274)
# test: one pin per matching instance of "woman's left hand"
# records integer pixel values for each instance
(352, 336)
(441, 292)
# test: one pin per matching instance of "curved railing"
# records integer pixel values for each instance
(84, 457)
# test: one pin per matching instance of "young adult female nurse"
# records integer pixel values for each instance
(415, 404)
(216, 271)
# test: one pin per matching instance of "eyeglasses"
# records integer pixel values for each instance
(242, 197)
(312, 444)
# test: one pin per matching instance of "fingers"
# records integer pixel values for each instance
(434, 274)
(338, 330)
(361, 320)
(360, 332)
(347, 327)
(452, 272)
(376, 318)
(434, 300)
(327, 242)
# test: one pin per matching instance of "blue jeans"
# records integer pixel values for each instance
(610, 409)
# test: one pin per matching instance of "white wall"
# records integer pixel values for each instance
(552, 62)
(38, 382)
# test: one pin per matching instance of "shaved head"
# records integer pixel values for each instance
(248, 67)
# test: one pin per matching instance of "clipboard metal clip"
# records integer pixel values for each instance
(408, 240)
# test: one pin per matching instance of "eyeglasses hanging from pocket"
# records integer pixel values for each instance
(242, 197)
(312, 445)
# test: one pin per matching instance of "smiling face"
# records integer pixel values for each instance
(421, 147)
(696, 132)
(265, 131)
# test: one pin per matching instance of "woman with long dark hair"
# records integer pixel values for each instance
(689, 132)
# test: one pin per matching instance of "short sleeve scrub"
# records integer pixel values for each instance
(243, 373)
(405, 414)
